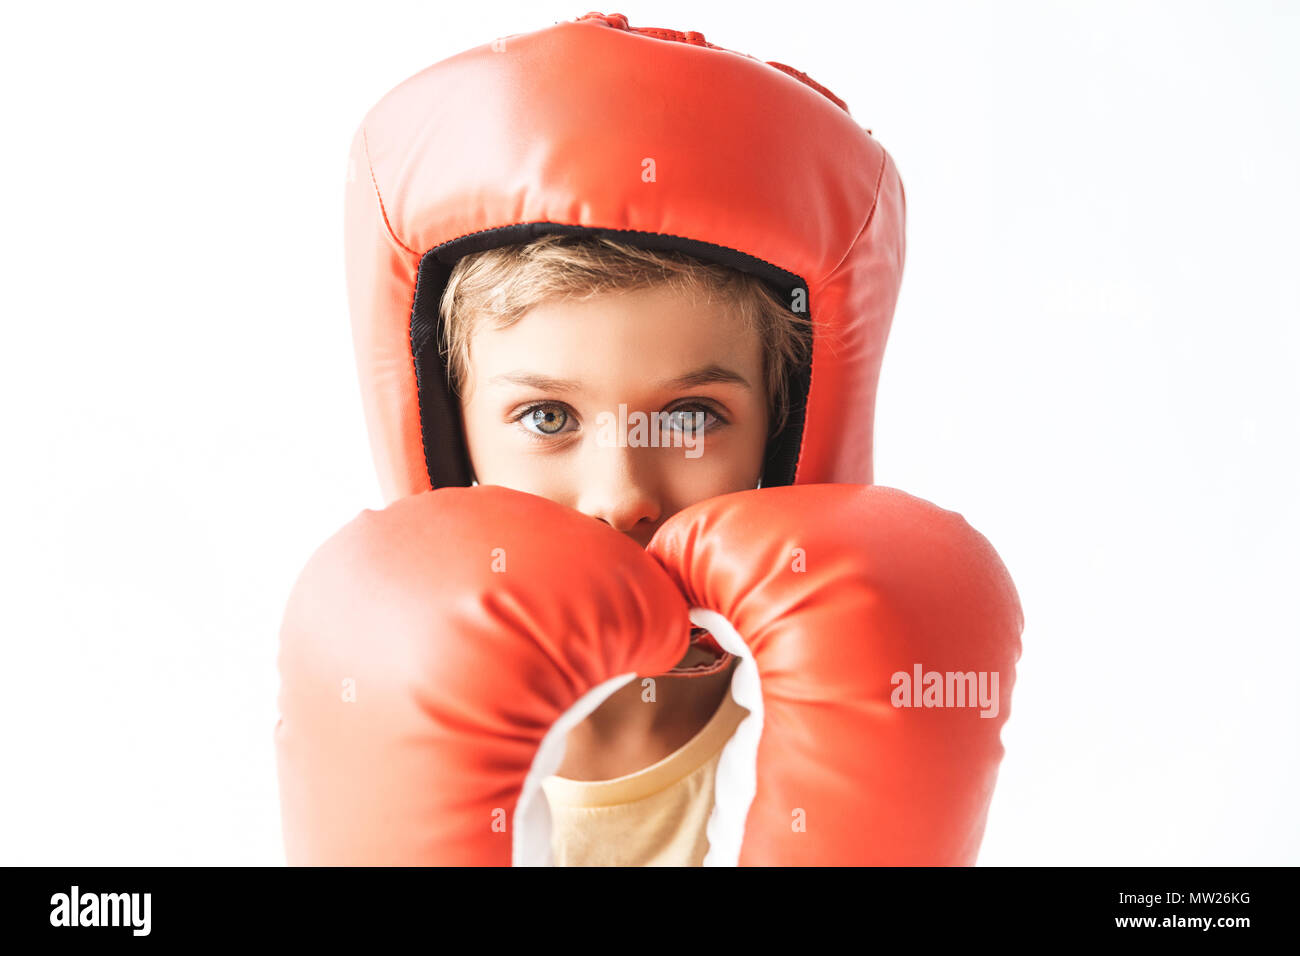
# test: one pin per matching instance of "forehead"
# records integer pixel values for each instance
(643, 335)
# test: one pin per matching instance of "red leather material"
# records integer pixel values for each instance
(555, 126)
(429, 649)
(465, 622)
(888, 582)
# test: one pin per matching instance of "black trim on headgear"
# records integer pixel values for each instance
(440, 420)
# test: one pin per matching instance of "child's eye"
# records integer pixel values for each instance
(544, 420)
(693, 419)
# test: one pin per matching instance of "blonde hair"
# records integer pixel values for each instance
(504, 283)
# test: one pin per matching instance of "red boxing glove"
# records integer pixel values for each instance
(433, 657)
(842, 598)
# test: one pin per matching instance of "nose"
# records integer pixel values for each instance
(618, 489)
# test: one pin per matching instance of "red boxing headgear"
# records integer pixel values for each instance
(757, 167)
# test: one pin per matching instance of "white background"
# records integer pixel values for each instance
(1094, 359)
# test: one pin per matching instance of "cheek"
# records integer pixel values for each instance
(473, 432)
(499, 456)
(724, 466)
(484, 440)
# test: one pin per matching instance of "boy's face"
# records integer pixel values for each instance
(541, 406)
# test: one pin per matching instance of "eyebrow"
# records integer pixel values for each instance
(704, 375)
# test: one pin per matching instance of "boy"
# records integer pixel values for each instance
(547, 339)
(551, 237)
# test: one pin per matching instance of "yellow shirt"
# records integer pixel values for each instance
(656, 816)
